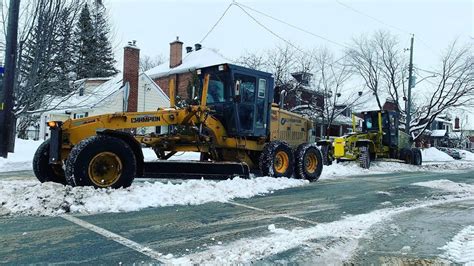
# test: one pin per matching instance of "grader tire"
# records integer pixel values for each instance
(408, 155)
(308, 162)
(364, 157)
(101, 161)
(276, 159)
(44, 171)
(326, 160)
(417, 157)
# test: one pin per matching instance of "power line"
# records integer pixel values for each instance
(386, 24)
(217, 22)
(371, 17)
(283, 39)
(242, 6)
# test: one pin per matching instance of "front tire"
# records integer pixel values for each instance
(308, 162)
(101, 161)
(276, 159)
(44, 171)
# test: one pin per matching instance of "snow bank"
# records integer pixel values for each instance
(347, 169)
(434, 155)
(447, 185)
(461, 248)
(343, 236)
(33, 198)
(22, 158)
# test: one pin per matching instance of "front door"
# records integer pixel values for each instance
(246, 107)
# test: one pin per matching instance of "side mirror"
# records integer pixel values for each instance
(237, 91)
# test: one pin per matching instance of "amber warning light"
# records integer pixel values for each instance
(52, 124)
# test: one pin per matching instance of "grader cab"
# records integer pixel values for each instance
(232, 122)
(379, 137)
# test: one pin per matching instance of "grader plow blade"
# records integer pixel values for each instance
(195, 170)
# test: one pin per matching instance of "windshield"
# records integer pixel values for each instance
(218, 90)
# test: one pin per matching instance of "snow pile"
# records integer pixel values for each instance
(461, 248)
(22, 158)
(434, 155)
(466, 155)
(343, 236)
(32, 198)
(447, 185)
(346, 169)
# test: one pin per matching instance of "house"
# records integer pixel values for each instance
(131, 91)
(307, 100)
(182, 69)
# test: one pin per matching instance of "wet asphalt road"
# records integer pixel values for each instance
(183, 230)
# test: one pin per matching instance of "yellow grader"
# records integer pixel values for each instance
(235, 126)
(379, 137)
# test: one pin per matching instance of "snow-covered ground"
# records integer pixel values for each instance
(461, 248)
(347, 232)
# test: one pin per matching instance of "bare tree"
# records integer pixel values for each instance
(332, 77)
(148, 62)
(365, 60)
(253, 60)
(454, 88)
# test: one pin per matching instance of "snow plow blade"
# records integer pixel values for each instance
(195, 170)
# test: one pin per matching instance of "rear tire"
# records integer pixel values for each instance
(308, 162)
(364, 157)
(407, 155)
(101, 161)
(44, 171)
(417, 157)
(276, 159)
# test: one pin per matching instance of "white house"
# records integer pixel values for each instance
(134, 91)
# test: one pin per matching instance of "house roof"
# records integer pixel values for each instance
(438, 133)
(191, 61)
(99, 96)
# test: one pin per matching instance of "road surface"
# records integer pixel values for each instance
(291, 225)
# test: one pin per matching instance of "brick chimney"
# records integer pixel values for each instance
(176, 53)
(131, 65)
(456, 123)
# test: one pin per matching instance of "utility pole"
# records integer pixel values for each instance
(410, 85)
(7, 126)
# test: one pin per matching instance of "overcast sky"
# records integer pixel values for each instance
(154, 24)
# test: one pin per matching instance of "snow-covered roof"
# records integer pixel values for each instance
(438, 133)
(191, 61)
(99, 96)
